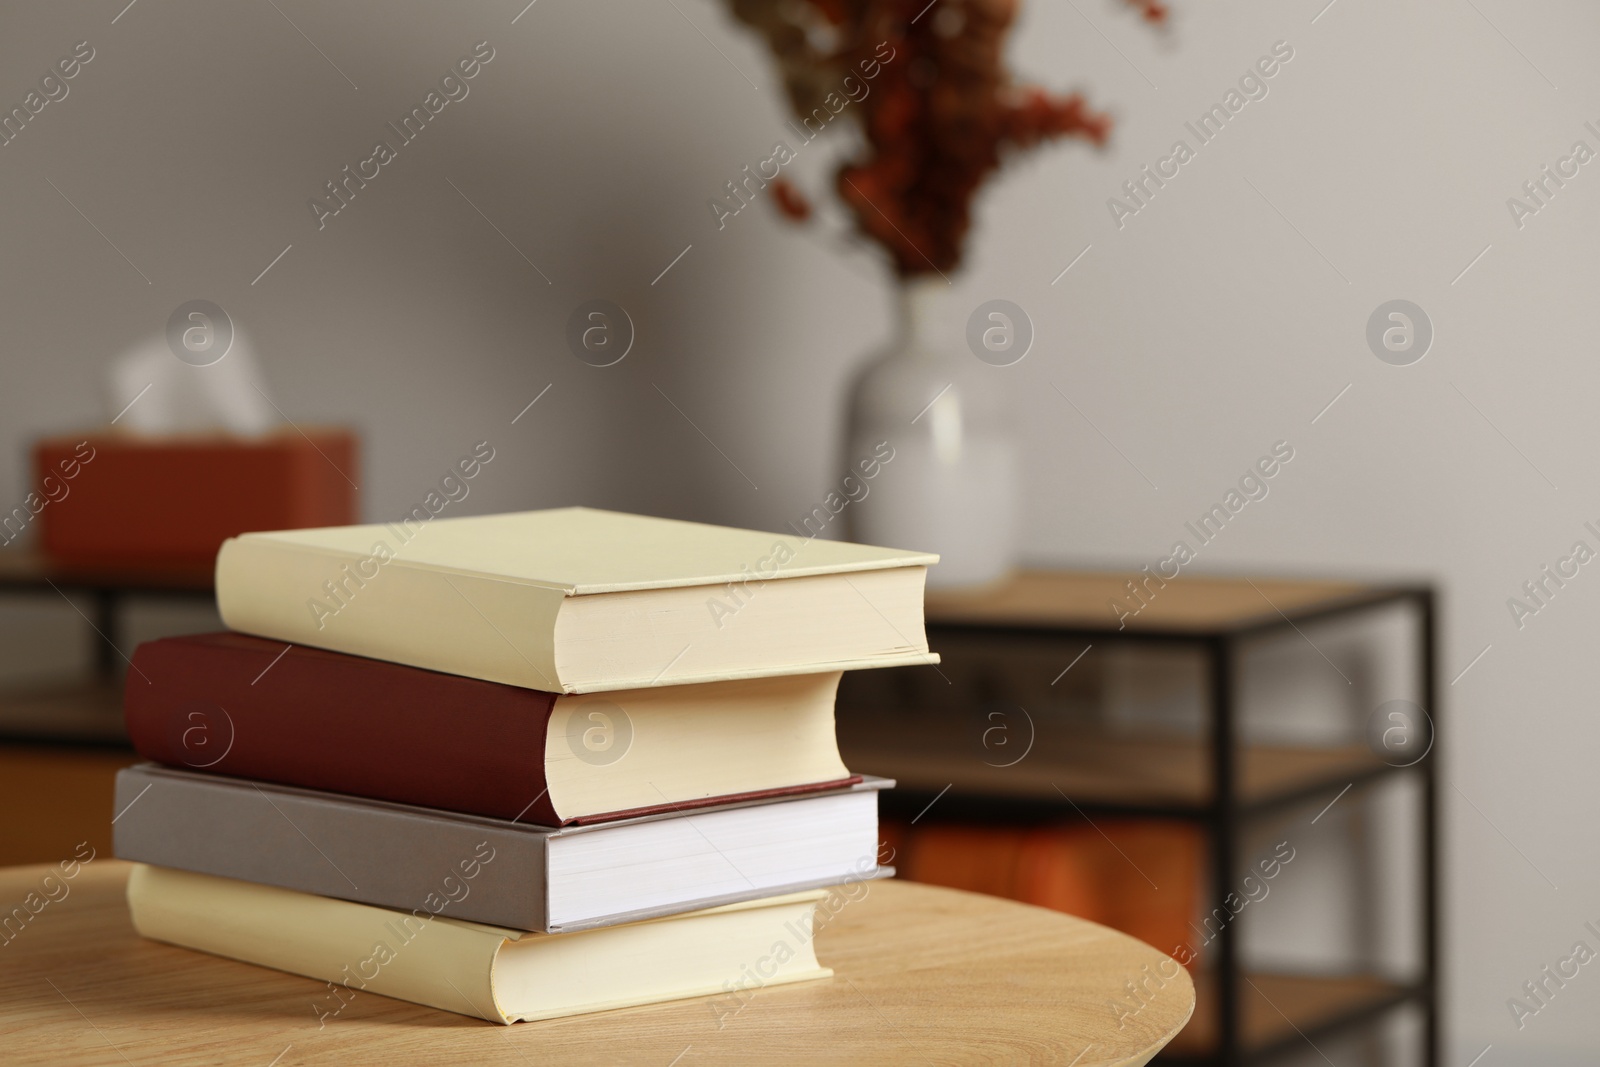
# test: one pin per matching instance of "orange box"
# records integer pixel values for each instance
(1106, 872)
(108, 499)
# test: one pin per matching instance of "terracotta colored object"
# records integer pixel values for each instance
(1108, 872)
(164, 500)
(939, 110)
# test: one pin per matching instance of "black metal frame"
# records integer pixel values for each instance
(1224, 816)
(107, 594)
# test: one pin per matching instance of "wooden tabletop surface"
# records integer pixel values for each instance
(922, 975)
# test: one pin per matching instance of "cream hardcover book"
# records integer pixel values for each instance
(493, 973)
(576, 600)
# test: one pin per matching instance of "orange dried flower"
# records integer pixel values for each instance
(940, 109)
(790, 201)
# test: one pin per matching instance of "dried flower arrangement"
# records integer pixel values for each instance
(936, 121)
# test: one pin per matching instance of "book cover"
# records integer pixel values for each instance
(579, 600)
(494, 973)
(491, 870)
(244, 706)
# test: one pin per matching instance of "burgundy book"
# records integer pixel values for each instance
(243, 706)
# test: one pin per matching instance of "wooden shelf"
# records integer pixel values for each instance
(1104, 771)
(1079, 600)
(1279, 1009)
(58, 797)
(32, 570)
(1011, 676)
(79, 712)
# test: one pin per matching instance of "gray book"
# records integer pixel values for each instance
(550, 880)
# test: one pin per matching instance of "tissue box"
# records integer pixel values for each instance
(114, 499)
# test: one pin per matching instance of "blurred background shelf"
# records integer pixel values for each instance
(72, 712)
(1079, 601)
(1120, 746)
(62, 738)
(23, 569)
(1281, 1011)
(105, 589)
(56, 797)
(1127, 775)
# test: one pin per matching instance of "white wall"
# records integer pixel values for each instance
(1206, 329)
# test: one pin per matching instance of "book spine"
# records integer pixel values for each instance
(352, 947)
(332, 846)
(384, 605)
(237, 705)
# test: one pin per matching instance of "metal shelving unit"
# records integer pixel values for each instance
(87, 711)
(1213, 781)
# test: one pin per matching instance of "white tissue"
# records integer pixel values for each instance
(155, 392)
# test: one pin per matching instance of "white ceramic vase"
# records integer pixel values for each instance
(952, 483)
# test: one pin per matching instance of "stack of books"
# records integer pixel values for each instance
(514, 766)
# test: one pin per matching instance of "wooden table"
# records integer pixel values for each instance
(922, 975)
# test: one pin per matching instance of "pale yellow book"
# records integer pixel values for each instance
(501, 975)
(576, 600)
